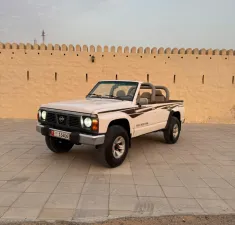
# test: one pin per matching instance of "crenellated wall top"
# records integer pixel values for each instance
(119, 49)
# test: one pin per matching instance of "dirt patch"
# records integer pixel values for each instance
(162, 220)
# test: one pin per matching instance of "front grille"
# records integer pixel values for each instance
(59, 119)
(62, 119)
(74, 121)
(51, 117)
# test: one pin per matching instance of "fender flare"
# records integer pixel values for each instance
(129, 124)
(169, 119)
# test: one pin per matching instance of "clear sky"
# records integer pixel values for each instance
(146, 23)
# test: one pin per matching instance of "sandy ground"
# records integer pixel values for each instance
(163, 220)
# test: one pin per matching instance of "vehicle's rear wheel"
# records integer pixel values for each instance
(115, 147)
(58, 145)
(172, 133)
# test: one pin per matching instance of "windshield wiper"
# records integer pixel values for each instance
(102, 96)
(94, 95)
(115, 97)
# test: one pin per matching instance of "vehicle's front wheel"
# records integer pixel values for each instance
(172, 133)
(58, 145)
(116, 145)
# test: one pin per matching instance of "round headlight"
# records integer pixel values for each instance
(88, 122)
(44, 115)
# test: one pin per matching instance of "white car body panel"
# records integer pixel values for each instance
(142, 119)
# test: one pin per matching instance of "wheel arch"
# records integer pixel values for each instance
(177, 115)
(124, 122)
(173, 113)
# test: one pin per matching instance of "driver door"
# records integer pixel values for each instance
(143, 119)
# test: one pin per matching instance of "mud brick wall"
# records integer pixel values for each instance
(34, 74)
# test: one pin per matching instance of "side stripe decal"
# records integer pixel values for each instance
(137, 111)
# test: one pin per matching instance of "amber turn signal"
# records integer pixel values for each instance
(95, 124)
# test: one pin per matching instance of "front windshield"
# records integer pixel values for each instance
(121, 90)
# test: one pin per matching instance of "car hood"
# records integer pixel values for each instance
(93, 105)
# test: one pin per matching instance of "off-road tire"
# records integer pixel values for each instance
(58, 145)
(106, 153)
(168, 132)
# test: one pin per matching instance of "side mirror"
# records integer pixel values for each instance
(142, 101)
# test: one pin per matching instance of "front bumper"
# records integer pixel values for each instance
(75, 137)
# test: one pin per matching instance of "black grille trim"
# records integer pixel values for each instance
(51, 117)
(74, 121)
(62, 119)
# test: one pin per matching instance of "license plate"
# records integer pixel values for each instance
(60, 134)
